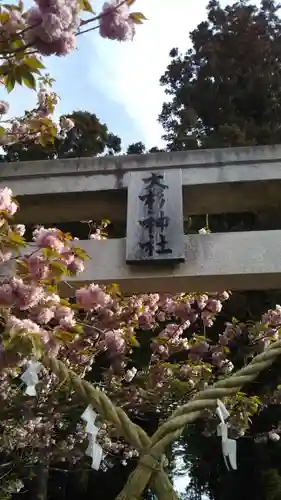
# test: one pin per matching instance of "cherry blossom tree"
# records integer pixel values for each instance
(148, 352)
(99, 328)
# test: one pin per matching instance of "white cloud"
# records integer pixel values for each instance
(130, 72)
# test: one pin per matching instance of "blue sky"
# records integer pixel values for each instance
(120, 81)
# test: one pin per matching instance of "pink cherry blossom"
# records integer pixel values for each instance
(38, 266)
(7, 298)
(53, 26)
(92, 297)
(4, 108)
(76, 266)
(114, 342)
(6, 202)
(48, 238)
(20, 229)
(42, 315)
(115, 22)
(26, 295)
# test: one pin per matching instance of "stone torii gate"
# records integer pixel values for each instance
(157, 192)
(156, 256)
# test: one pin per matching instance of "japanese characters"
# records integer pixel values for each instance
(155, 223)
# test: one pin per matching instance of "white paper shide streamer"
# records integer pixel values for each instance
(94, 450)
(30, 377)
(229, 446)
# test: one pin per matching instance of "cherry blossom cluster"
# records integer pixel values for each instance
(38, 125)
(251, 339)
(8, 206)
(115, 21)
(52, 26)
(12, 23)
(104, 325)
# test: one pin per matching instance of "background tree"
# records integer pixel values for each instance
(226, 89)
(88, 137)
(138, 148)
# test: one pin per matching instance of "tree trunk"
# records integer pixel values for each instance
(40, 482)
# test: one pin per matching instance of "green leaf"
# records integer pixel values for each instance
(33, 63)
(137, 17)
(241, 395)
(201, 338)
(59, 267)
(2, 132)
(7, 342)
(65, 302)
(134, 342)
(29, 81)
(47, 122)
(256, 400)
(22, 266)
(4, 17)
(49, 253)
(114, 288)
(80, 253)
(171, 366)
(15, 237)
(78, 329)
(9, 82)
(16, 44)
(36, 344)
(86, 6)
(21, 72)
(65, 336)
(43, 141)
(53, 131)
(34, 123)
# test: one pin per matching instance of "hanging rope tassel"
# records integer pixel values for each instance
(94, 450)
(229, 446)
(30, 377)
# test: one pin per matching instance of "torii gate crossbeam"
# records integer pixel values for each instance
(215, 181)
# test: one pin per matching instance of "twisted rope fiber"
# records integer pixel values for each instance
(148, 469)
(134, 434)
(172, 429)
(100, 402)
(222, 388)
